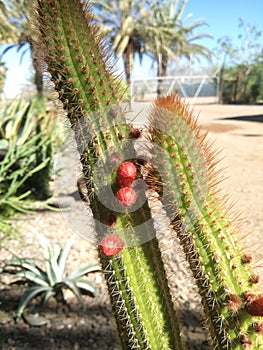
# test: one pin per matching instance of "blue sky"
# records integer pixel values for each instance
(221, 16)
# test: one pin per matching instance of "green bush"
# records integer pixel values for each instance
(243, 84)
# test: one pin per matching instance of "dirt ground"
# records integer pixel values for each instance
(238, 132)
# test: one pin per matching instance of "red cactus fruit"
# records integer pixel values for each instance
(126, 173)
(127, 196)
(111, 244)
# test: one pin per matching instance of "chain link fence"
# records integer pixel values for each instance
(195, 89)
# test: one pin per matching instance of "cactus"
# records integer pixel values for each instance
(180, 166)
(132, 263)
(208, 236)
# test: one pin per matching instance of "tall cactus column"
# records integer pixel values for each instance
(208, 237)
(127, 245)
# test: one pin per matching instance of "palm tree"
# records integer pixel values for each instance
(170, 37)
(15, 29)
(121, 21)
(153, 27)
(7, 33)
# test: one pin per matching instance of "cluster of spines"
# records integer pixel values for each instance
(206, 234)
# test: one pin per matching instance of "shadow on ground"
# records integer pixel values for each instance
(246, 118)
(70, 327)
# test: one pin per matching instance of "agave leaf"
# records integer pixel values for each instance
(30, 276)
(50, 293)
(86, 286)
(27, 296)
(48, 254)
(83, 271)
(73, 287)
(62, 259)
(56, 272)
(27, 265)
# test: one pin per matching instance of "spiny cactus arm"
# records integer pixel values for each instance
(149, 316)
(73, 52)
(208, 237)
(67, 31)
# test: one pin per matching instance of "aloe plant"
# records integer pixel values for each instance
(178, 164)
(50, 282)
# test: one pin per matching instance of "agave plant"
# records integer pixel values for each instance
(50, 283)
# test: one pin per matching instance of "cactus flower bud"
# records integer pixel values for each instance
(111, 244)
(126, 173)
(127, 196)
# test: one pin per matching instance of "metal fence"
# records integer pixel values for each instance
(195, 89)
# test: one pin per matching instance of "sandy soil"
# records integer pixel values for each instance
(238, 131)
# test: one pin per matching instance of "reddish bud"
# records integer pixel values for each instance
(127, 196)
(255, 307)
(135, 133)
(254, 278)
(111, 244)
(246, 258)
(126, 173)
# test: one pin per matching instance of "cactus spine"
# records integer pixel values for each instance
(132, 263)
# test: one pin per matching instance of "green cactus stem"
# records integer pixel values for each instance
(208, 237)
(75, 57)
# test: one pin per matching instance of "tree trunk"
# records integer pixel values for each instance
(221, 85)
(38, 80)
(128, 58)
(161, 72)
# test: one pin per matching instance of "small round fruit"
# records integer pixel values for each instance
(127, 196)
(111, 244)
(126, 173)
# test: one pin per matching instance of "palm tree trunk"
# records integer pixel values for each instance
(38, 79)
(221, 85)
(161, 72)
(128, 60)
